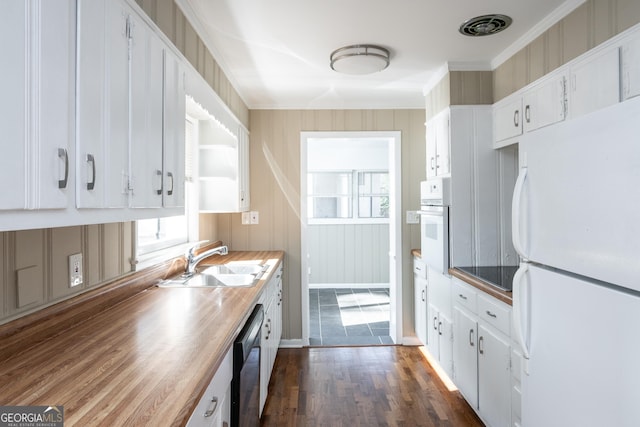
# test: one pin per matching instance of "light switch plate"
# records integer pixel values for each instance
(75, 270)
(246, 218)
(413, 217)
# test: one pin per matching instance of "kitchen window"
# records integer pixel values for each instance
(348, 196)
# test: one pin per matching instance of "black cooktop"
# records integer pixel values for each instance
(499, 276)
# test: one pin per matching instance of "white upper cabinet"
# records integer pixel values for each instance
(545, 103)
(438, 139)
(223, 167)
(594, 82)
(130, 130)
(631, 68)
(174, 132)
(147, 65)
(103, 104)
(37, 104)
(508, 118)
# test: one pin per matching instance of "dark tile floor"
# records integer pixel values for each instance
(349, 316)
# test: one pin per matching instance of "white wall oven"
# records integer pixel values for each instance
(434, 213)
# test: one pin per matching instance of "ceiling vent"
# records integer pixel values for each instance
(485, 25)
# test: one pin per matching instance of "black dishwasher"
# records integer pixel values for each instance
(245, 385)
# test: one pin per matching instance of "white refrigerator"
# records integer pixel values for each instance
(576, 297)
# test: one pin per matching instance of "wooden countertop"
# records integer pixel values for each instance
(144, 361)
(483, 286)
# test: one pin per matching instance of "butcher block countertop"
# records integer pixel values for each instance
(144, 361)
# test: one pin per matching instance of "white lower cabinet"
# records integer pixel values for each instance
(439, 325)
(482, 353)
(214, 408)
(420, 299)
(271, 331)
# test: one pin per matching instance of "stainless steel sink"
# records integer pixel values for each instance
(225, 275)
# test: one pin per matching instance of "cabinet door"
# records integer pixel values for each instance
(116, 150)
(91, 100)
(446, 344)
(174, 132)
(508, 120)
(431, 148)
(103, 104)
(631, 69)
(420, 298)
(465, 355)
(443, 162)
(433, 331)
(147, 64)
(494, 384)
(55, 79)
(13, 104)
(37, 105)
(595, 83)
(544, 104)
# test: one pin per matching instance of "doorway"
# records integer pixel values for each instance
(351, 288)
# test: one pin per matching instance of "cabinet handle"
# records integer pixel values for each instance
(435, 323)
(462, 296)
(490, 314)
(527, 113)
(433, 160)
(91, 184)
(471, 343)
(516, 118)
(170, 191)
(159, 173)
(439, 328)
(213, 405)
(480, 346)
(437, 165)
(62, 153)
(423, 295)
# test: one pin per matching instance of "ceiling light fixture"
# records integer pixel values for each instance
(359, 59)
(485, 25)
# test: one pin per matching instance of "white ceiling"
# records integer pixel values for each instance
(276, 52)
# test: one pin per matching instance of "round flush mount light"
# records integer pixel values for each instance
(485, 25)
(359, 59)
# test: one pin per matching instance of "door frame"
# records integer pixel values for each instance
(395, 226)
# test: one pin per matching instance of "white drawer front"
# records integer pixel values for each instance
(214, 396)
(464, 295)
(419, 268)
(494, 314)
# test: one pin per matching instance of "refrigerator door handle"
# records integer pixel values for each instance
(516, 216)
(518, 303)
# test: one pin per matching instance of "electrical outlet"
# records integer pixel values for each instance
(254, 217)
(246, 218)
(75, 270)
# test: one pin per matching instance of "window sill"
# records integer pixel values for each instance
(152, 258)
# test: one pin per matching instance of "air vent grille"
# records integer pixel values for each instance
(485, 25)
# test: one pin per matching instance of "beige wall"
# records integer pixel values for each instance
(275, 190)
(34, 263)
(589, 25)
(460, 88)
(171, 20)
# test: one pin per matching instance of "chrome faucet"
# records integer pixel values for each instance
(193, 260)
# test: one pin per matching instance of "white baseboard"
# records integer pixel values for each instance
(411, 341)
(348, 285)
(297, 343)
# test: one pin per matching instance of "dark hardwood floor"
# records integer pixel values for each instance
(361, 386)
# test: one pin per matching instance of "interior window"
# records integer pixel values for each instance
(348, 194)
